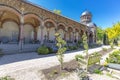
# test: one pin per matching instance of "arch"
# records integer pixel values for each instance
(7, 13)
(9, 32)
(77, 37)
(52, 21)
(50, 29)
(32, 25)
(32, 15)
(28, 33)
(10, 9)
(76, 30)
(36, 19)
(61, 30)
(70, 33)
(9, 23)
(61, 26)
(9, 19)
(70, 29)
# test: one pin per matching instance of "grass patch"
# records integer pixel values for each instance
(97, 71)
(104, 49)
(6, 78)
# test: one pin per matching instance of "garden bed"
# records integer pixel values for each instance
(54, 72)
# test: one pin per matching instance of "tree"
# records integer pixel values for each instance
(113, 32)
(61, 49)
(105, 39)
(83, 60)
(85, 45)
(57, 11)
(100, 34)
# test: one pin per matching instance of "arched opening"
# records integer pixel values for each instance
(76, 35)
(30, 31)
(70, 34)
(9, 32)
(91, 37)
(61, 30)
(50, 31)
(9, 25)
(82, 32)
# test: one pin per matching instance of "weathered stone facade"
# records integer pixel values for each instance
(23, 22)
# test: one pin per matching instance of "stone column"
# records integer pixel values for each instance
(73, 36)
(42, 35)
(21, 39)
(65, 35)
(79, 36)
(35, 33)
(48, 34)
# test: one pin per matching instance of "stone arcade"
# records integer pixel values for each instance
(25, 26)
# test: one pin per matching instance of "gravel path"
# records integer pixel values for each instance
(26, 61)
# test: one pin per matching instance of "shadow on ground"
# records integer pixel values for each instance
(6, 59)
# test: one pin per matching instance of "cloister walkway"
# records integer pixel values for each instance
(16, 62)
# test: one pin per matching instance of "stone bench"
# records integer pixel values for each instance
(114, 66)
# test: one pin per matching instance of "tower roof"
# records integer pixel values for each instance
(86, 13)
(91, 24)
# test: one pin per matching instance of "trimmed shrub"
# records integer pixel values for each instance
(104, 49)
(72, 47)
(114, 57)
(50, 50)
(43, 50)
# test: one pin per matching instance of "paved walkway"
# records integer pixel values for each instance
(32, 60)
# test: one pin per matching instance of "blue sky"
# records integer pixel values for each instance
(105, 12)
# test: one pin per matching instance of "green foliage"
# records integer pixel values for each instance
(57, 11)
(113, 33)
(104, 49)
(114, 57)
(97, 71)
(6, 78)
(100, 34)
(99, 42)
(61, 45)
(94, 58)
(96, 54)
(82, 60)
(105, 39)
(85, 43)
(72, 47)
(43, 50)
(53, 73)
(111, 45)
(77, 57)
(79, 43)
(50, 50)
